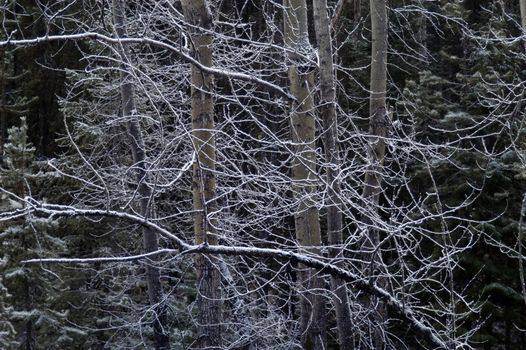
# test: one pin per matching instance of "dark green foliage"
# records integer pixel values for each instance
(7, 329)
(31, 78)
(462, 106)
(456, 89)
(37, 310)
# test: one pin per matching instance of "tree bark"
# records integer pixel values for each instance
(523, 18)
(327, 112)
(208, 302)
(523, 209)
(378, 123)
(150, 238)
(378, 119)
(304, 177)
(3, 101)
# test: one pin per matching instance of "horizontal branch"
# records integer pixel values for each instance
(217, 72)
(99, 260)
(184, 248)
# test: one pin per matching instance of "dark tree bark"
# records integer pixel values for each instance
(150, 238)
(327, 111)
(378, 122)
(209, 307)
(3, 102)
(304, 176)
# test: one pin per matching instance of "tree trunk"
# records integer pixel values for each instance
(377, 105)
(303, 129)
(523, 209)
(3, 101)
(378, 122)
(208, 301)
(327, 112)
(523, 17)
(150, 239)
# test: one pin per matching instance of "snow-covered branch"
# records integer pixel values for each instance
(404, 311)
(99, 260)
(215, 71)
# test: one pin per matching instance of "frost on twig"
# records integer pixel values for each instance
(405, 311)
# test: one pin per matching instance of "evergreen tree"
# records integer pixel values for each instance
(459, 106)
(36, 312)
(7, 329)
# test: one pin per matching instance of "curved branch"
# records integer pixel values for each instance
(404, 311)
(215, 71)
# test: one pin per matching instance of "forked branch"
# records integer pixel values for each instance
(405, 312)
(215, 71)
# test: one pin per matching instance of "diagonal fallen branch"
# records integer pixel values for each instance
(217, 72)
(406, 313)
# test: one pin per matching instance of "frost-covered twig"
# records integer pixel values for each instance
(215, 71)
(99, 260)
(407, 314)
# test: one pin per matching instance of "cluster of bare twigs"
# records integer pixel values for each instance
(137, 149)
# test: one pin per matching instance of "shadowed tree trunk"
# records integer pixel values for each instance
(327, 112)
(303, 130)
(523, 17)
(208, 302)
(523, 209)
(150, 238)
(3, 101)
(378, 122)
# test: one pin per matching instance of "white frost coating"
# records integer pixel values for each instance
(15, 204)
(13, 230)
(75, 331)
(16, 273)
(187, 58)
(22, 315)
(255, 198)
(185, 248)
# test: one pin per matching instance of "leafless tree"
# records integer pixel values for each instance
(201, 88)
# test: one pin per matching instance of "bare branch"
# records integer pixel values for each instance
(311, 261)
(215, 71)
(99, 260)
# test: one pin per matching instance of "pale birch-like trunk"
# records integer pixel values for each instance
(150, 238)
(303, 130)
(378, 123)
(327, 111)
(208, 303)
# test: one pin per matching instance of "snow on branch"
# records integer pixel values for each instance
(99, 260)
(406, 313)
(217, 72)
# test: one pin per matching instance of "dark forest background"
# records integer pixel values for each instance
(441, 77)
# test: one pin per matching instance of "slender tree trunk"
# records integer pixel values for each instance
(208, 302)
(378, 122)
(377, 104)
(3, 101)
(523, 18)
(523, 209)
(303, 128)
(330, 139)
(150, 239)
